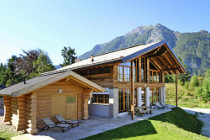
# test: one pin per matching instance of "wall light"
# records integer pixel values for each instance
(60, 91)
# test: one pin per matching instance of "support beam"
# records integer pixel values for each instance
(21, 112)
(132, 91)
(148, 71)
(176, 90)
(113, 102)
(85, 97)
(139, 69)
(33, 114)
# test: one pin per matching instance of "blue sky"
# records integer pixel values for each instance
(51, 25)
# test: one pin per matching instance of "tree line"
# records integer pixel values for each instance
(31, 64)
(197, 86)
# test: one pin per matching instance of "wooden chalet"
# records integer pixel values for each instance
(131, 77)
(147, 63)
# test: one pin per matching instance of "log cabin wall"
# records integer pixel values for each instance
(44, 101)
(14, 112)
(25, 112)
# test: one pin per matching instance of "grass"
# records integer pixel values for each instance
(174, 125)
(6, 132)
(186, 98)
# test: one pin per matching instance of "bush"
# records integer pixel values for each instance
(194, 81)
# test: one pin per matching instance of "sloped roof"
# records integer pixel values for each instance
(43, 80)
(123, 55)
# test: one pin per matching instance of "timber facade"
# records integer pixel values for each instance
(148, 85)
(106, 85)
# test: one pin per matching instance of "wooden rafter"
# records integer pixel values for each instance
(157, 63)
(166, 57)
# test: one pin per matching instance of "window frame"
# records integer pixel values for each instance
(100, 99)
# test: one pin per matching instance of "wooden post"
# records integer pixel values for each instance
(132, 92)
(176, 90)
(139, 70)
(21, 113)
(33, 114)
(148, 72)
(85, 98)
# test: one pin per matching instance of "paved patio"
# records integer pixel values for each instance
(89, 127)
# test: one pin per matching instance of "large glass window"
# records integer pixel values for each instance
(154, 95)
(120, 73)
(124, 70)
(127, 99)
(124, 99)
(126, 74)
(121, 100)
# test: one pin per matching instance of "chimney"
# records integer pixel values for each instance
(77, 60)
(24, 80)
(91, 57)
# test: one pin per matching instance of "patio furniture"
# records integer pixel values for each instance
(159, 106)
(165, 105)
(73, 123)
(50, 124)
(142, 110)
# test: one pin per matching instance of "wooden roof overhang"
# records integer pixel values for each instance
(162, 56)
(42, 81)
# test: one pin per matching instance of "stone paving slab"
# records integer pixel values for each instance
(89, 127)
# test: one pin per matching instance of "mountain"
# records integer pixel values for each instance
(192, 48)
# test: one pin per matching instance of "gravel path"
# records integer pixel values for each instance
(204, 116)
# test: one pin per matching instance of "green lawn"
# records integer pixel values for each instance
(186, 98)
(174, 125)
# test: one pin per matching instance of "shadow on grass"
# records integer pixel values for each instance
(132, 130)
(181, 119)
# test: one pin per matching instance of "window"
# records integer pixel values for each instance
(143, 69)
(100, 98)
(120, 73)
(127, 99)
(124, 99)
(154, 76)
(70, 99)
(154, 95)
(124, 70)
(121, 101)
(95, 71)
(135, 97)
(126, 74)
